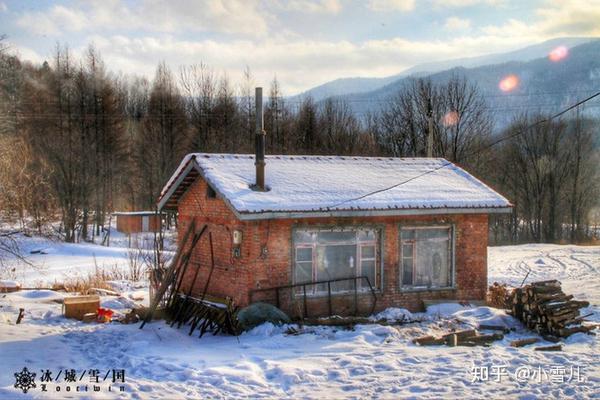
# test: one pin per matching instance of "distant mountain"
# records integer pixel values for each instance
(344, 86)
(525, 54)
(543, 85)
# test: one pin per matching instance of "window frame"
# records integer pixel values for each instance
(377, 244)
(452, 246)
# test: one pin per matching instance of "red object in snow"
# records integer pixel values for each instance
(104, 314)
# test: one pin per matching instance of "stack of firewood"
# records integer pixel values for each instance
(545, 308)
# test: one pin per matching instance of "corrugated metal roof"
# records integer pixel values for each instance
(300, 184)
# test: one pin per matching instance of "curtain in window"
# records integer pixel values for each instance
(426, 257)
(322, 255)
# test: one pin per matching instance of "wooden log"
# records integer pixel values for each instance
(551, 282)
(579, 319)
(452, 340)
(540, 298)
(429, 341)
(482, 338)
(564, 332)
(494, 328)
(551, 338)
(572, 304)
(524, 342)
(557, 347)
(543, 289)
(564, 317)
(462, 334)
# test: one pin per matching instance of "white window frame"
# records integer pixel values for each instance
(312, 289)
(414, 256)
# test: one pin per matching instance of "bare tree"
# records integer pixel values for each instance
(460, 120)
(163, 137)
(199, 88)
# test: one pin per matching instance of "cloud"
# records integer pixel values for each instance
(145, 34)
(466, 3)
(57, 20)
(570, 17)
(391, 5)
(313, 6)
(457, 24)
(3, 7)
(223, 16)
(555, 19)
(299, 64)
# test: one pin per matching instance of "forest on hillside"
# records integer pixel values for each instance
(78, 142)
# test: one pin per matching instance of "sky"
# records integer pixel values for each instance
(303, 43)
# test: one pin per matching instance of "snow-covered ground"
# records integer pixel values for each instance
(369, 361)
(51, 261)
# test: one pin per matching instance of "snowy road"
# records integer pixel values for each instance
(371, 361)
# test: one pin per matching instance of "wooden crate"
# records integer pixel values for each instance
(77, 306)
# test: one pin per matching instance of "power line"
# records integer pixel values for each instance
(520, 132)
(79, 116)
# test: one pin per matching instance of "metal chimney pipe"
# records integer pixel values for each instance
(259, 154)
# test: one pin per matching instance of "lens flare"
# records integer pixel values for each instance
(558, 53)
(450, 118)
(509, 83)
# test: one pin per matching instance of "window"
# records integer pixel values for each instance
(322, 255)
(426, 257)
(210, 192)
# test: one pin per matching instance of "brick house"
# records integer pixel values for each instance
(137, 221)
(407, 229)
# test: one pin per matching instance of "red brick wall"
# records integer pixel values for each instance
(235, 277)
(133, 223)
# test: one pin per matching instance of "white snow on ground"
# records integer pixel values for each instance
(369, 361)
(52, 261)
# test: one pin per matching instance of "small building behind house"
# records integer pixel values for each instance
(328, 232)
(129, 222)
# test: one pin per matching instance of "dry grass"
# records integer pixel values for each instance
(96, 279)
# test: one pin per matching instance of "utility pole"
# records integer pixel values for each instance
(430, 129)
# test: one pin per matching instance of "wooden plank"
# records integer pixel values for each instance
(557, 347)
(524, 342)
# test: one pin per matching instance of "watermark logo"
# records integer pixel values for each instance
(71, 380)
(25, 380)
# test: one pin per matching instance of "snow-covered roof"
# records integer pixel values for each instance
(301, 186)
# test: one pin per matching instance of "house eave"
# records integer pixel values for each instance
(182, 175)
(368, 213)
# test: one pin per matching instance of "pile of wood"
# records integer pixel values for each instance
(498, 296)
(469, 337)
(546, 309)
(204, 315)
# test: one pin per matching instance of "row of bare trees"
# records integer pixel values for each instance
(550, 171)
(77, 142)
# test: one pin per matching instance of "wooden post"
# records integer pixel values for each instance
(355, 298)
(305, 307)
(329, 296)
(430, 130)
(212, 265)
